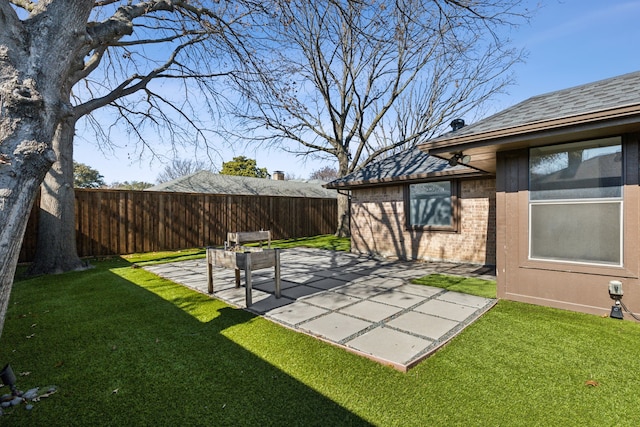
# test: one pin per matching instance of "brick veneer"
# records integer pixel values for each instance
(378, 226)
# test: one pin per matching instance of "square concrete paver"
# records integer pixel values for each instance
(200, 287)
(399, 299)
(270, 285)
(327, 283)
(180, 275)
(299, 291)
(331, 300)
(389, 344)
(296, 312)
(162, 269)
(445, 309)
(399, 272)
(421, 290)
(231, 294)
(335, 326)
(466, 299)
(382, 282)
(237, 296)
(263, 305)
(360, 290)
(371, 310)
(423, 324)
(338, 274)
(300, 278)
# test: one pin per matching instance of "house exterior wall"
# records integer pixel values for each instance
(573, 286)
(378, 226)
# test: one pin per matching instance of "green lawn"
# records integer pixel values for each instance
(467, 285)
(328, 241)
(125, 347)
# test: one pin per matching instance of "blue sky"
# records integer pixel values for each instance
(569, 43)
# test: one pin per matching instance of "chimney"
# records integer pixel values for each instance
(278, 175)
(457, 124)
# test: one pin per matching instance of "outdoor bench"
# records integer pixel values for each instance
(240, 237)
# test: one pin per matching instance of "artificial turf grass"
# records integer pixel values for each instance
(467, 285)
(325, 241)
(149, 258)
(178, 357)
(158, 344)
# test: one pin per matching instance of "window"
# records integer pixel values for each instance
(431, 205)
(575, 202)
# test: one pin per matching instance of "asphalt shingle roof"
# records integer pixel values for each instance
(409, 164)
(615, 92)
(209, 183)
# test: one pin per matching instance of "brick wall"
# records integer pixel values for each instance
(378, 226)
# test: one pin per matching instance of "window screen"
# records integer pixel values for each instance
(430, 204)
(575, 202)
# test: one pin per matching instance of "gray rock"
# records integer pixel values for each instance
(31, 394)
(29, 407)
(16, 401)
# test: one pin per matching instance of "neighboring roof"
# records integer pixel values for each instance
(409, 165)
(595, 107)
(210, 183)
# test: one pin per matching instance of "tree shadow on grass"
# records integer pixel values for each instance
(128, 348)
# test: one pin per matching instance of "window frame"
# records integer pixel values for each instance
(619, 200)
(455, 209)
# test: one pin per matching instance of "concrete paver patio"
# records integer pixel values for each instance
(364, 305)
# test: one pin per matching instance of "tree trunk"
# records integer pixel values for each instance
(13, 217)
(24, 160)
(56, 248)
(36, 57)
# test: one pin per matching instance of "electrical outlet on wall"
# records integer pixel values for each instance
(615, 289)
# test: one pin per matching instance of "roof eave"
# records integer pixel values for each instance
(463, 173)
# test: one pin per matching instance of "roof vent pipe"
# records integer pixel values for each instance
(457, 124)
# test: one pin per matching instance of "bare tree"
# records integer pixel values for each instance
(326, 173)
(179, 168)
(150, 64)
(47, 47)
(352, 80)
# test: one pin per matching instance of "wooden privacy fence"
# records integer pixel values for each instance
(114, 222)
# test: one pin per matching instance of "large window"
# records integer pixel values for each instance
(431, 205)
(575, 202)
